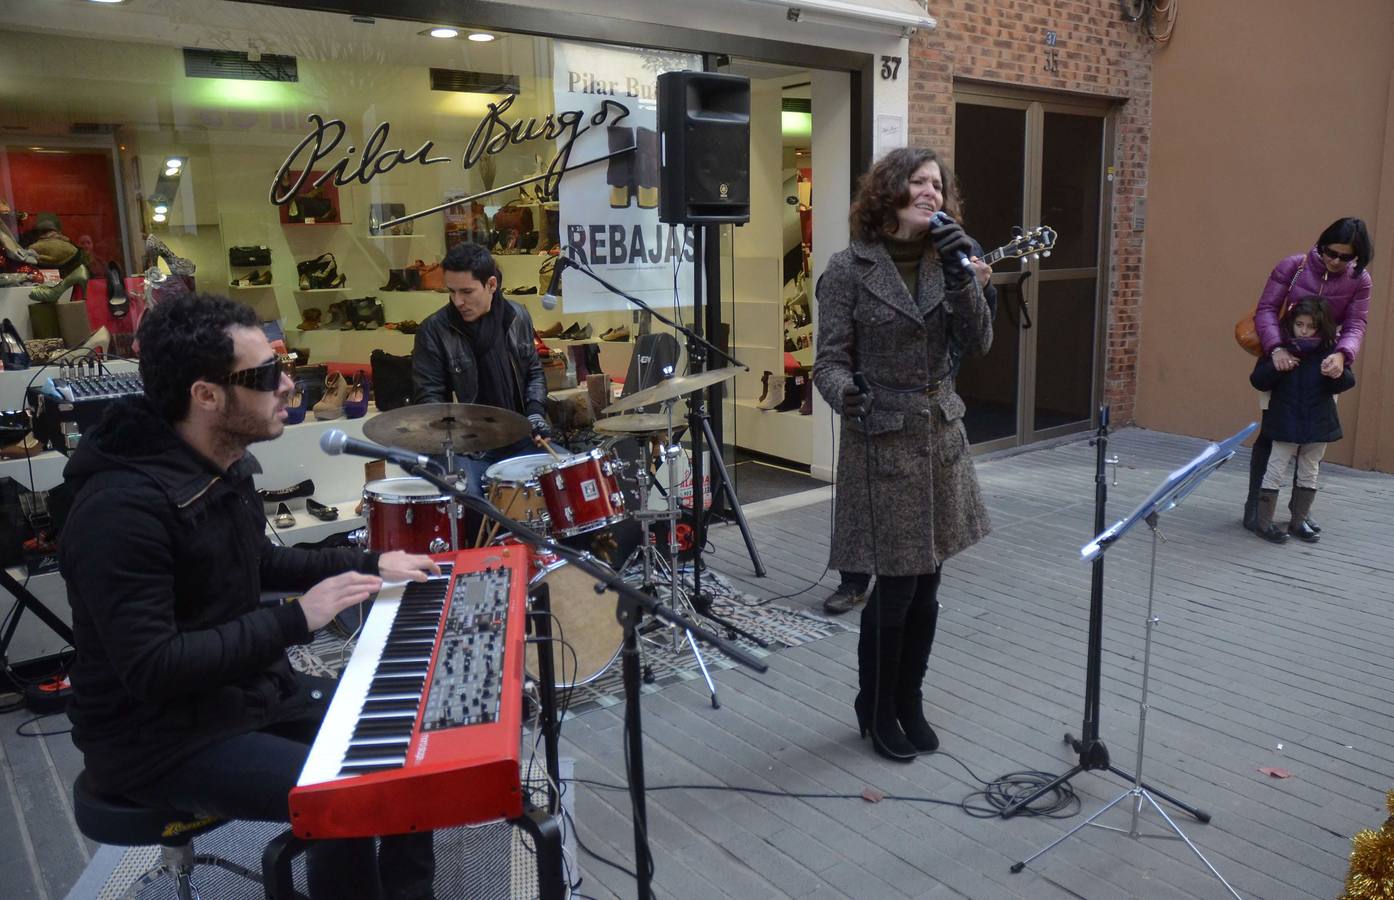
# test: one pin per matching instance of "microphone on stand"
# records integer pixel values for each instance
(553, 295)
(941, 218)
(335, 442)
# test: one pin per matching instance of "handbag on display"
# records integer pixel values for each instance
(544, 275)
(249, 256)
(432, 276)
(1246, 329)
(392, 385)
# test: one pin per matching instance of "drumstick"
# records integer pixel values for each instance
(547, 445)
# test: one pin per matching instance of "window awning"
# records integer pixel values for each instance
(903, 16)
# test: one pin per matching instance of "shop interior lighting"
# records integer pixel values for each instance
(172, 171)
(161, 209)
(108, 1)
(443, 32)
(481, 37)
(842, 14)
(174, 162)
(157, 217)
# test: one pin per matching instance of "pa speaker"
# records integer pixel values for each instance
(704, 134)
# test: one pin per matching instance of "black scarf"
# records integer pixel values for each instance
(488, 338)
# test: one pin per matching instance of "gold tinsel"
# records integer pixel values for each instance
(1371, 874)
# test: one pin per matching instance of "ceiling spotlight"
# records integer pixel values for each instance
(174, 162)
(443, 32)
(172, 171)
(161, 209)
(157, 217)
(482, 37)
(108, 1)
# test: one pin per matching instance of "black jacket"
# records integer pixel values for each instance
(165, 558)
(1302, 407)
(443, 368)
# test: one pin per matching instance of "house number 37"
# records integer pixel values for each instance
(890, 68)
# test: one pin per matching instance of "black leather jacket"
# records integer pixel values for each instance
(443, 368)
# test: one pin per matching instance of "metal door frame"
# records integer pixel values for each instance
(1035, 105)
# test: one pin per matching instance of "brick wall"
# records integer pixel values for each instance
(1099, 54)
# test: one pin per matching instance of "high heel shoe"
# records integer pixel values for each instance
(15, 357)
(178, 265)
(356, 403)
(296, 407)
(886, 737)
(117, 303)
(77, 280)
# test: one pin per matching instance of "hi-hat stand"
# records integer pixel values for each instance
(629, 606)
(1093, 755)
(699, 428)
(1177, 486)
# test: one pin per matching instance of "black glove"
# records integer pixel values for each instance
(950, 240)
(540, 428)
(856, 402)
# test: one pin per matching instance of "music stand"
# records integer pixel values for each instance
(1175, 488)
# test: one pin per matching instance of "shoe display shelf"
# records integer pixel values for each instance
(351, 346)
(751, 287)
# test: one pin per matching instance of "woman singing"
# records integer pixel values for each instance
(891, 307)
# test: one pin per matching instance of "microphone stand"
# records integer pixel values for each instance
(628, 605)
(698, 427)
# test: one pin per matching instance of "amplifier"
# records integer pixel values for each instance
(66, 406)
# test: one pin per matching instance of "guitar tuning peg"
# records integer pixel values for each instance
(1036, 257)
(1046, 253)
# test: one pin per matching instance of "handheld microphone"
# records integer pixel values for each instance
(335, 442)
(553, 295)
(941, 218)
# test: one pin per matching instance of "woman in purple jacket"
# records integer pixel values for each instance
(1334, 270)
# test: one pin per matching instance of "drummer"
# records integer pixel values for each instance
(479, 348)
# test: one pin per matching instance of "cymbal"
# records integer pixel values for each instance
(431, 427)
(639, 423)
(673, 388)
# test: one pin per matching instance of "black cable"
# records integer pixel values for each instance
(19, 729)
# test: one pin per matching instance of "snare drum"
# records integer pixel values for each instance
(512, 486)
(408, 514)
(582, 494)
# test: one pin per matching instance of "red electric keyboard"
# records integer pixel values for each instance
(425, 728)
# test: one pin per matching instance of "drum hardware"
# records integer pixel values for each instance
(656, 569)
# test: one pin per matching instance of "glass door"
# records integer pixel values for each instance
(1025, 162)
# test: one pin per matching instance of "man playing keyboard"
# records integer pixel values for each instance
(183, 697)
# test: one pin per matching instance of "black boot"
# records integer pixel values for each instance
(1267, 505)
(875, 703)
(1258, 465)
(395, 281)
(1301, 527)
(918, 640)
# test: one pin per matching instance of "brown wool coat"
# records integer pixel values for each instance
(923, 486)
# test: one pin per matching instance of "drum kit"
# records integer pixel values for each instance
(577, 498)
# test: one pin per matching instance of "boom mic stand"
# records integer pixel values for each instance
(698, 427)
(1093, 755)
(628, 605)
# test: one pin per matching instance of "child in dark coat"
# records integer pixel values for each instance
(1301, 415)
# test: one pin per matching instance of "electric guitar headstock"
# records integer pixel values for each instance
(1034, 244)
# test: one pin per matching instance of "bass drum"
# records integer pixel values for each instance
(583, 623)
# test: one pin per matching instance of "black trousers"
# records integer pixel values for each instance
(249, 777)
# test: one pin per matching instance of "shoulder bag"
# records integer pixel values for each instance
(1246, 331)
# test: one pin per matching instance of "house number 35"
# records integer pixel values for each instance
(890, 68)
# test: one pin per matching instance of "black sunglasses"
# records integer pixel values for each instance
(265, 377)
(1332, 254)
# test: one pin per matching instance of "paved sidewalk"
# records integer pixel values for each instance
(1265, 656)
